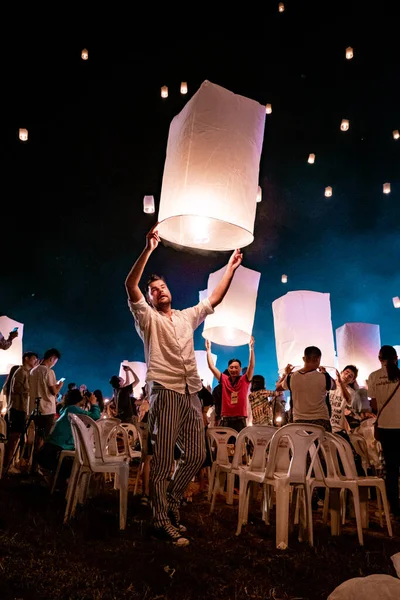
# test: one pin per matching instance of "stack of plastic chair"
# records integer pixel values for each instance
(133, 437)
(217, 439)
(89, 460)
(3, 437)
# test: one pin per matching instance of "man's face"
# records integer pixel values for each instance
(159, 294)
(348, 376)
(31, 362)
(234, 369)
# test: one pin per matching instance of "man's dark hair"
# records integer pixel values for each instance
(72, 397)
(257, 383)
(52, 352)
(71, 386)
(154, 277)
(114, 381)
(312, 352)
(29, 355)
(352, 368)
(234, 360)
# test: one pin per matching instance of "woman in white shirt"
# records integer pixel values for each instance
(381, 385)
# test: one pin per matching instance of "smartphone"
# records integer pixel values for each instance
(62, 379)
(14, 330)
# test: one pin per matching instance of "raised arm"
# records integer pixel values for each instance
(210, 362)
(127, 370)
(218, 294)
(250, 368)
(135, 274)
(343, 388)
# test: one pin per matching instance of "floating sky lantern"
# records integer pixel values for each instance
(85, 54)
(386, 188)
(311, 159)
(23, 135)
(397, 348)
(164, 91)
(148, 204)
(284, 279)
(259, 194)
(184, 87)
(268, 109)
(358, 344)
(396, 302)
(12, 356)
(396, 134)
(140, 369)
(232, 322)
(328, 191)
(211, 173)
(202, 367)
(281, 7)
(349, 53)
(344, 125)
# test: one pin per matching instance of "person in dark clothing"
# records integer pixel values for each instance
(121, 403)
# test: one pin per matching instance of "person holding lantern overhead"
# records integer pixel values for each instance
(175, 415)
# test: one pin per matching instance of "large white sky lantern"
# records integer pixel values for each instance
(12, 356)
(140, 369)
(202, 367)
(233, 319)
(210, 182)
(358, 344)
(303, 318)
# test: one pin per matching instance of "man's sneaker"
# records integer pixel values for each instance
(168, 533)
(175, 520)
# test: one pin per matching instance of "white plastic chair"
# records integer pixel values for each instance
(133, 437)
(3, 434)
(217, 439)
(63, 454)
(143, 432)
(89, 463)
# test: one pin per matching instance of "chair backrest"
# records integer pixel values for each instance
(339, 447)
(132, 432)
(260, 437)
(103, 427)
(218, 438)
(360, 446)
(85, 433)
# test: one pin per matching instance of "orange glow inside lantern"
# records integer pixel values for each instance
(344, 125)
(386, 188)
(23, 135)
(268, 109)
(396, 134)
(281, 7)
(164, 91)
(328, 191)
(284, 279)
(184, 87)
(311, 158)
(84, 54)
(396, 302)
(349, 53)
(259, 194)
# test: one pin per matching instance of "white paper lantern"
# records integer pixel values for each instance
(396, 134)
(84, 54)
(284, 279)
(281, 7)
(184, 87)
(148, 204)
(209, 188)
(164, 91)
(349, 53)
(268, 109)
(140, 369)
(396, 302)
(259, 194)
(358, 344)
(386, 188)
(202, 367)
(12, 356)
(233, 319)
(302, 318)
(328, 191)
(23, 135)
(397, 348)
(311, 159)
(344, 125)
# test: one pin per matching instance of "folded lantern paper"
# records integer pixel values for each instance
(358, 344)
(140, 369)
(202, 367)
(303, 318)
(232, 322)
(12, 356)
(210, 181)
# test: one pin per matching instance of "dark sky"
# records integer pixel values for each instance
(72, 196)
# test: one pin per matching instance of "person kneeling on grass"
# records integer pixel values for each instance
(60, 437)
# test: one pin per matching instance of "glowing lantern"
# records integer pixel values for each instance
(12, 356)
(268, 109)
(396, 134)
(358, 344)
(281, 7)
(397, 348)
(148, 204)
(396, 302)
(259, 194)
(233, 319)
(302, 319)
(311, 159)
(328, 191)
(386, 188)
(349, 53)
(23, 135)
(284, 279)
(211, 172)
(344, 125)
(184, 87)
(84, 54)
(140, 369)
(202, 367)
(164, 91)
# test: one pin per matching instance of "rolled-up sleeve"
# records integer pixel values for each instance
(141, 312)
(197, 314)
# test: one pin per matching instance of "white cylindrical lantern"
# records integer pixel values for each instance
(386, 188)
(202, 367)
(303, 318)
(12, 356)
(284, 279)
(311, 159)
(396, 134)
(140, 369)
(211, 172)
(148, 204)
(349, 53)
(281, 7)
(268, 109)
(184, 87)
(84, 54)
(233, 319)
(259, 194)
(397, 348)
(23, 135)
(164, 91)
(328, 191)
(358, 344)
(344, 125)
(396, 302)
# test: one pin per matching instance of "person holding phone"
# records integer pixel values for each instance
(6, 343)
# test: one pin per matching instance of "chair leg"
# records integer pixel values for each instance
(53, 487)
(230, 484)
(343, 504)
(325, 511)
(211, 481)
(357, 510)
(282, 514)
(243, 485)
(387, 510)
(72, 490)
(216, 487)
(123, 495)
(139, 474)
(379, 500)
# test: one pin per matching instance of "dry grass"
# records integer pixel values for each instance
(91, 559)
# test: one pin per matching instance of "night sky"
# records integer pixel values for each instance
(72, 196)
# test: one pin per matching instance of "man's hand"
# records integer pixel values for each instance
(152, 238)
(125, 368)
(13, 334)
(208, 345)
(251, 342)
(235, 259)
(288, 369)
(321, 369)
(337, 376)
